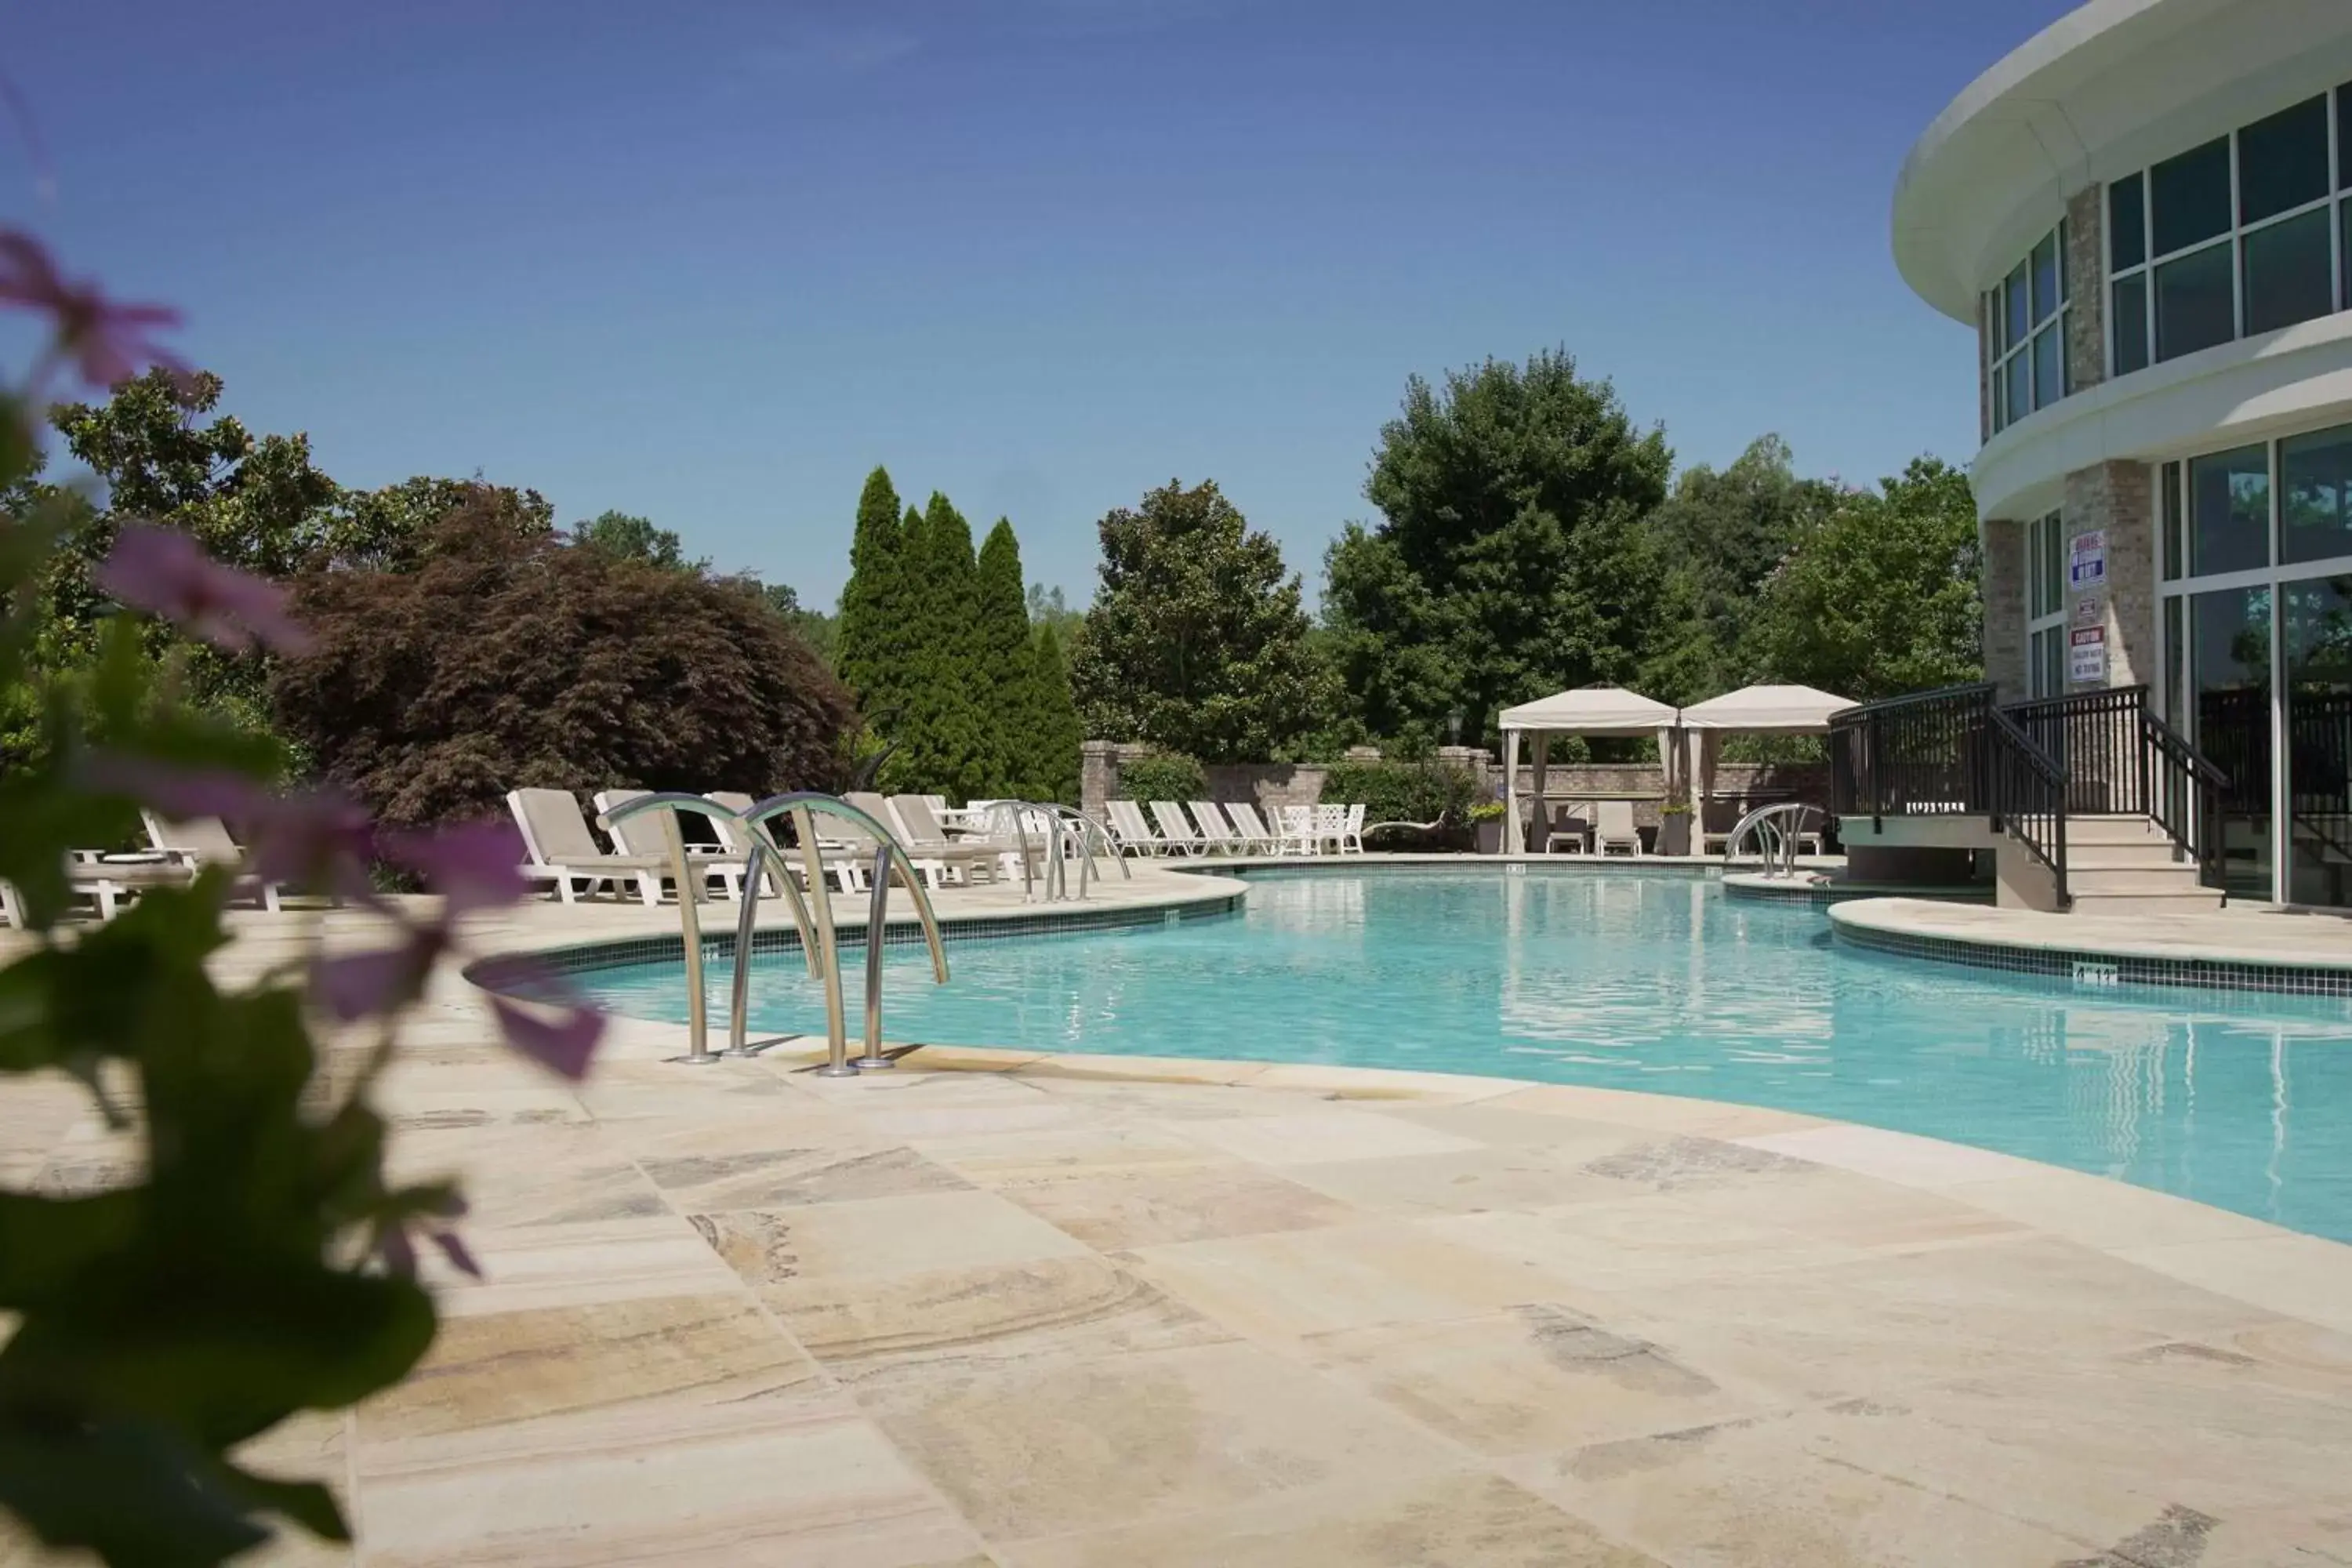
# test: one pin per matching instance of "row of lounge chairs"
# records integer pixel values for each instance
(564, 852)
(177, 852)
(1236, 829)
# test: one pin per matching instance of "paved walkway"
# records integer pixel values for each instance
(1041, 1312)
(2240, 934)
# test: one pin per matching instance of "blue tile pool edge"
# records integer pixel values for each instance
(2104, 968)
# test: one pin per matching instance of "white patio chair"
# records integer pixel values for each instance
(555, 835)
(928, 844)
(203, 841)
(642, 836)
(1351, 830)
(1217, 834)
(1295, 827)
(1129, 831)
(1175, 829)
(1255, 836)
(1612, 827)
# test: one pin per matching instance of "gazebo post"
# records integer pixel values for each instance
(1513, 840)
(1540, 787)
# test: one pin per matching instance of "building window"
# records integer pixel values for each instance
(2026, 351)
(2246, 234)
(2257, 669)
(2045, 607)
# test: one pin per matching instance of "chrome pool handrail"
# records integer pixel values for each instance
(814, 920)
(1780, 826)
(805, 806)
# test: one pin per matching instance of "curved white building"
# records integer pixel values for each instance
(2146, 215)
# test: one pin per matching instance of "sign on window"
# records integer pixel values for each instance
(2086, 656)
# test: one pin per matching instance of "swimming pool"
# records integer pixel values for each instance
(1657, 982)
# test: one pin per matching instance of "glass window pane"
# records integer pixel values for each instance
(2127, 225)
(2064, 288)
(2315, 495)
(2344, 136)
(2344, 249)
(2194, 304)
(2021, 389)
(2289, 272)
(2230, 511)
(2131, 323)
(2018, 307)
(2049, 377)
(2053, 563)
(2190, 195)
(2044, 261)
(2317, 655)
(2230, 671)
(2172, 521)
(2176, 683)
(2283, 160)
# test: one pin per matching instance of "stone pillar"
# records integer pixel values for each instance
(1471, 760)
(1363, 753)
(2086, 286)
(2116, 497)
(2004, 608)
(1097, 776)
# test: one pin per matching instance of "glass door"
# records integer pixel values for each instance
(2318, 660)
(2229, 675)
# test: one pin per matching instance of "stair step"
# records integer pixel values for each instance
(2180, 902)
(2129, 878)
(2124, 857)
(2114, 830)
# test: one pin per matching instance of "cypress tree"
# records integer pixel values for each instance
(874, 603)
(1006, 665)
(945, 747)
(1055, 732)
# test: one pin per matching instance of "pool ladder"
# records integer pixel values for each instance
(811, 914)
(1778, 829)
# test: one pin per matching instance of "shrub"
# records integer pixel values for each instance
(1165, 775)
(1404, 792)
(504, 662)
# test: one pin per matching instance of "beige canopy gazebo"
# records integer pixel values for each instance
(1587, 711)
(1752, 710)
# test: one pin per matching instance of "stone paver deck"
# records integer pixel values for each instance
(1051, 1311)
(2240, 934)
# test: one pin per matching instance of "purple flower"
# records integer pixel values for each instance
(476, 866)
(177, 793)
(107, 341)
(378, 981)
(564, 1047)
(317, 838)
(166, 571)
(453, 1247)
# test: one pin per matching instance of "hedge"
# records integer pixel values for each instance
(1404, 792)
(1165, 775)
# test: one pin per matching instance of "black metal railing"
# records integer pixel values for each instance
(1921, 755)
(2028, 793)
(2121, 759)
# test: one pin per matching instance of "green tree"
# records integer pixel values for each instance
(1881, 597)
(819, 631)
(1509, 561)
(629, 537)
(1004, 657)
(876, 604)
(387, 530)
(1196, 641)
(944, 742)
(1058, 733)
(1050, 607)
(1713, 542)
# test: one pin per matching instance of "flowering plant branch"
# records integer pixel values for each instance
(260, 1263)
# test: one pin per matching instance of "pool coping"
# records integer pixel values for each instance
(2024, 942)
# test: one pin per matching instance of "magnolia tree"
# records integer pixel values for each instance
(259, 1262)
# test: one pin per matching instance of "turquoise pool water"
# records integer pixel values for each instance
(1656, 982)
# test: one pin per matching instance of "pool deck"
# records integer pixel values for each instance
(2252, 935)
(1043, 1311)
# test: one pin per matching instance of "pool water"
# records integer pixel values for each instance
(1651, 981)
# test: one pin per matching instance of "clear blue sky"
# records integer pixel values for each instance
(712, 262)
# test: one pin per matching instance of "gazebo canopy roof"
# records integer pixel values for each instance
(1592, 710)
(1757, 709)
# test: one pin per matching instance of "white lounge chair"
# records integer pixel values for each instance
(1131, 832)
(1176, 829)
(110, 879)
(556, 834)
(642, 836)
(1612, 827)
(204, 841)
(1573, 823)
(927, 844)
(1216, 833)
(1255, 836)
(1351, 830)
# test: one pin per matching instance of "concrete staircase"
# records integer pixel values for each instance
(2125, 865)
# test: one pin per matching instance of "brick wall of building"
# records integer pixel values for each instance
(2086, 288)
(2116, 497)
(2004, 607)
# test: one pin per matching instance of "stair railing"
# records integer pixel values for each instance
(812, 915)
(2027, 792)
(2121, 759)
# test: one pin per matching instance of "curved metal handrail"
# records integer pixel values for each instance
(805, 806)
(1092, 828)
(814, 923)
(1781, 826)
